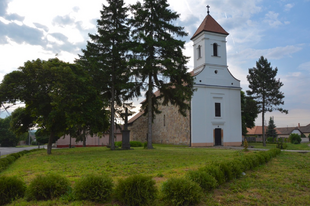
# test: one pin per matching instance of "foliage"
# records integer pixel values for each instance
(265, 89)
(206, 181)
(53, 92)
(294, 138)
(136, 190)
(132, 144)
(21, 121)
(105, 57)
(7, 137)
(270, 140)
(181, 191)
(216, 172)
(158, 59)
(271, 131)
(249, 112)
(11, 188)
(46, 187)
(92, 187)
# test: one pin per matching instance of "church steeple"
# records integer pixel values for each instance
(209, 25)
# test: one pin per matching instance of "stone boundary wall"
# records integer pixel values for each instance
(169, 127)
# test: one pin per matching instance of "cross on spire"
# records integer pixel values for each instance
(208, 7)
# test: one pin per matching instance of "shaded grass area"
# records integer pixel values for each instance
(162, 162)
(290, 146)
(283, 181)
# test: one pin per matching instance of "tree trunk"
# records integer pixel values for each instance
(150, 116)
(112, 117)
(49, 144)
(84, 137)
(263, 123)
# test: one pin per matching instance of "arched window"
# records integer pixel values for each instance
(215, 49)
(199, 51)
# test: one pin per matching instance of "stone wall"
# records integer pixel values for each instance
(169, 127)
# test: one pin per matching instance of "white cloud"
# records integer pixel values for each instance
(288, 7)
(272, 19)
(305, 66)
(273, 53)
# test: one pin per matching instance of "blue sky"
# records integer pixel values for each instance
(279, 30)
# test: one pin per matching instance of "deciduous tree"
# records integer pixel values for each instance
(249, 112)
(265, 89)
(158, 60)
(56, 94)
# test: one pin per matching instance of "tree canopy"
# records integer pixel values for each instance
(264, 88)
(58, 95)
(158, 61)
(249, 112)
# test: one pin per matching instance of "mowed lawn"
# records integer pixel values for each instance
(162, 162)
(285, 180)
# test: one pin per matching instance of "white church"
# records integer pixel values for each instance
(215, 115)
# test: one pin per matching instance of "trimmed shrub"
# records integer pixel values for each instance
(136, 190)
(132, 144)
(225, 167)
(216, 172)
(94, 188)
(45, 187)
(181, 191)
(236, 168)
(295, 138)
(260, 158)
(204, 180)
(135, 144)
(118, 144)
(11, 188)
(248, 162)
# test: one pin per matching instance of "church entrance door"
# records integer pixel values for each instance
(218, 132)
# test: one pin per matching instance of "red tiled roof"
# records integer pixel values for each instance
(210, 25)
(258, 130)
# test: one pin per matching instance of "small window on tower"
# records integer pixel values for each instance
(215, 49)
(218, 109)
(199, 51)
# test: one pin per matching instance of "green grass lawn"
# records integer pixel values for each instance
(290, 146)
(285, 180)
(163, 161)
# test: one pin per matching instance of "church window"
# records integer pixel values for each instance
(217, 109)
(199, 51)
(215, 49)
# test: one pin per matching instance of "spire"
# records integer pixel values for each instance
(209, 25)
(208, 7)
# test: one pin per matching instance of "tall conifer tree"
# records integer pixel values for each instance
(265, 89)
(271, 131)
(158, 61)
(105, 56)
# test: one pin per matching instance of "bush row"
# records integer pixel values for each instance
(136, 189)
(9, 159)
(132, 144)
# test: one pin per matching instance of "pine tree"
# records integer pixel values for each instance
(105, 56)
(271, 131)
(158, 59)
(265, 89)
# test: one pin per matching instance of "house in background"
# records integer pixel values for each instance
(283, 132)
(304, 129)
(215, 115)
(91, 141)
